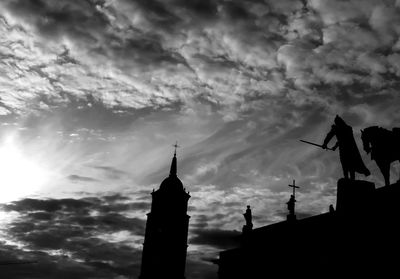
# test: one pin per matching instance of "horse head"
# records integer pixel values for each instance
(366, 140)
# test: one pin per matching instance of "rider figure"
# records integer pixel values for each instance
(349, 155)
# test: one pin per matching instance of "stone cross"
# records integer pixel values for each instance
(294, 187)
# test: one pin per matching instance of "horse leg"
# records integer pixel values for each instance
(384, 166)
(352, 175)
(345, 172)
(399, 175)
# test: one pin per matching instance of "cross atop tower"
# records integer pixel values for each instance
(294, 187)
(176, 146)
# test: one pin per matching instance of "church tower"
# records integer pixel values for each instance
(165, 242)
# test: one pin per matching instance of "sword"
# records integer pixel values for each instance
(319, 145)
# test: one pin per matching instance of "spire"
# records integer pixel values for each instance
(173, 170)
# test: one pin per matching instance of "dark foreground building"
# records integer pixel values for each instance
(165, 243)
(361, 239)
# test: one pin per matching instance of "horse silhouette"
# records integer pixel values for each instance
(384, 146)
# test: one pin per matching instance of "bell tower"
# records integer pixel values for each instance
(165, 242)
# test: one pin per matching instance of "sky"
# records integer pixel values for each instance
(94, 93)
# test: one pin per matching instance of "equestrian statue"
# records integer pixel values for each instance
(384, 146)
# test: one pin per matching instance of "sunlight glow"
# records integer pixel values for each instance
(20, 176)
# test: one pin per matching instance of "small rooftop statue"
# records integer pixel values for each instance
(292, 202)
(249, 218)
(291, 205)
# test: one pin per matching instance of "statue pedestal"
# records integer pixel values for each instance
(353, 196)
(291, 217)
(247, 229)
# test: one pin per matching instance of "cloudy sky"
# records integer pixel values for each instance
(93, 93)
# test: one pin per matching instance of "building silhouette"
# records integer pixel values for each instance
(165, 243)
(358, 239)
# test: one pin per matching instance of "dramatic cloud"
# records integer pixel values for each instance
(86, 234)
(136, 54)
(94, 93)
(88, 238)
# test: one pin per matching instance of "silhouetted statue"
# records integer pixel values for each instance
(291, 204)
(350, 157)
(248, 217)
(384, 146)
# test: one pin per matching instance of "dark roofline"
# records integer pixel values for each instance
(285, 224)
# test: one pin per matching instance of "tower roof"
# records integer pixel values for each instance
(173, 169)
(172, 182)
